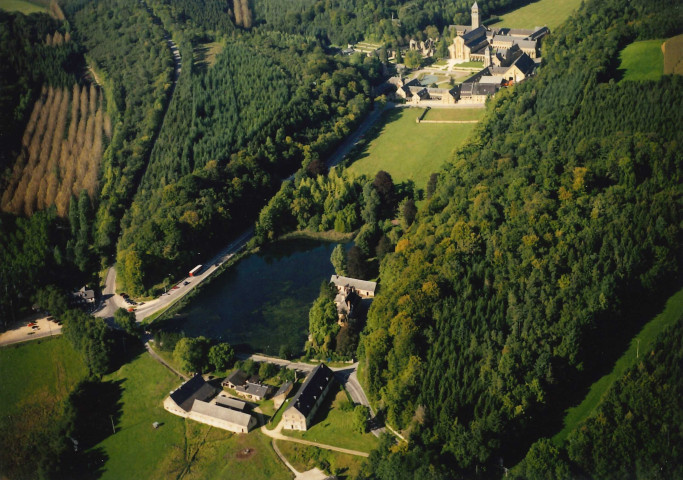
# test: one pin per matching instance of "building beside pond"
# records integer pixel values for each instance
(303, 407)
(193, 399)
(363, 288)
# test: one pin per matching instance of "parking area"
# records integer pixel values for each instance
(38, 326)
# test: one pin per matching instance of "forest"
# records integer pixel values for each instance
(390, 22)
(521, 271)
(267, 106)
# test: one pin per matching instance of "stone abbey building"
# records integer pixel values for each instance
(478, 43)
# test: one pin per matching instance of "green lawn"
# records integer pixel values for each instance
(407, 150)
(306, 457)
(458, 114)
(639, 347)
(642, 61)
(21, 6)
(477, 65)
(331, 426)
(543, 12)
(36, 372)
(178, 447)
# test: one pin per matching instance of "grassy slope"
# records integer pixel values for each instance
(45, 369)
(331, 426)
(179, 446)
(642, 60)
(543, 12)
(409, 151)
(21, 6)
(305, 457)
(640, 345)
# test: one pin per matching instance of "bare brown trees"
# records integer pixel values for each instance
(61, 151)
(243, 16)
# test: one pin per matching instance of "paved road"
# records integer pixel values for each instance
(353, 139)
(173, 295)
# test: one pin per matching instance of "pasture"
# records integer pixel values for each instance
(42, 371)
(179, 447)
(21, 6)
(406, 149)
(642, 61)
(542, 12)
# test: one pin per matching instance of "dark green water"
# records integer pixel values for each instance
(262, 302)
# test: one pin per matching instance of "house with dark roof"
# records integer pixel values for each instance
(235, 379)
(193, 399)
(84, 295)
(281, 395)
(303, 407)
(181, 399)
(363, 288)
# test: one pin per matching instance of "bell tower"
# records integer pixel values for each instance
(476, 23)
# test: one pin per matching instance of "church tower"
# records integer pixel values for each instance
(475, 16)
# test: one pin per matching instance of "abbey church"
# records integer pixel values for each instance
(494, 47)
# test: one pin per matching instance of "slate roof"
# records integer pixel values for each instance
(484, 89)
(226, 414)
(194, 389)
(474, 36)
(340, 281)
(229, 402)
(491, 79)
(238, 377)
(255, 389)
(311, 389)
(283, 388)
(525, 64)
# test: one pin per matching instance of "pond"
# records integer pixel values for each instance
(261, 303)
(428, 80)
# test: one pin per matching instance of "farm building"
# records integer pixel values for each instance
(192, 400)
(300, 412)
(361, 287)
(249, 388)
(281, 395)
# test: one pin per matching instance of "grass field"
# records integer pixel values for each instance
(642, 61)
(38, 371)
(21, 6)
(639, 347)
(331, 426)
(542, 12)
(305, 457)
(457, 114)
(179, 447)
(673, 55)
(407, 150)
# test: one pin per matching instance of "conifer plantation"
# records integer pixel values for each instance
(61, 150)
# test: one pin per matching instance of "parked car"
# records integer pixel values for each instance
(186, 283)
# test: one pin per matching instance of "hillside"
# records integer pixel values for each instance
(516, 282)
